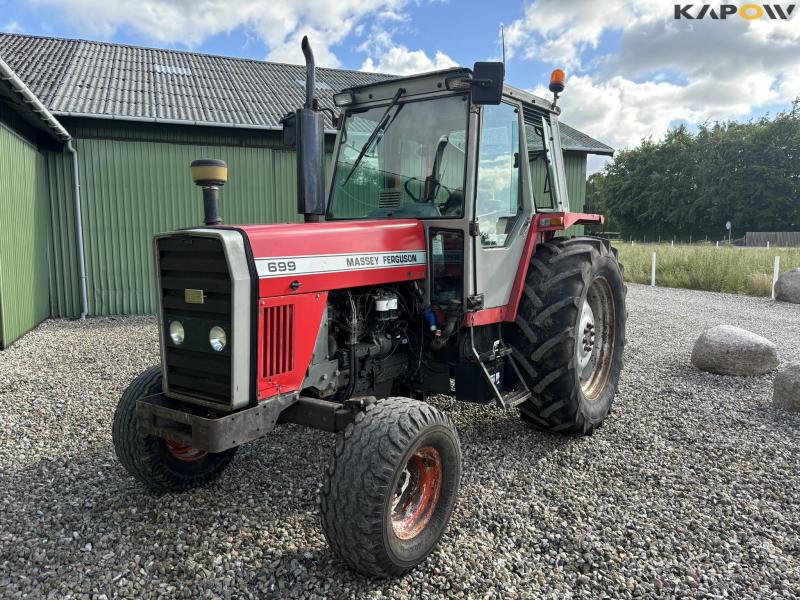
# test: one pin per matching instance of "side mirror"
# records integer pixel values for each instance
(487, 82)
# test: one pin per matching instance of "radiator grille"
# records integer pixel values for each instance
(194, 369)
(278, 323)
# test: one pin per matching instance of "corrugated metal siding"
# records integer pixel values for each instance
(538, 178)
(24, 218)
(776, 239)
(133, 190)
(575, 168)
(64, 273)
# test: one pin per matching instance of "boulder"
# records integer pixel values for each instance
(787, 288)
(728, 350)
(786, 393)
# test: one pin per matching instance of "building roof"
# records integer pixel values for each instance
(80, 78)
(577, 141)
(17, 97)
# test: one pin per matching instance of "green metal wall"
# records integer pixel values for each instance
(24, 220)
(63, 238)
(135, 182)
(575, 167)
(131, 190)
(575, 170)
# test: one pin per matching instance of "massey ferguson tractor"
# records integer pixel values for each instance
(429, 263)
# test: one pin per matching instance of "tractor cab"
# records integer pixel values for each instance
(470, 157)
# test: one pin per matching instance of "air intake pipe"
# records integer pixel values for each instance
(310, 148)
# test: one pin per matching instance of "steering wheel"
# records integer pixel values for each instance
(437, 187)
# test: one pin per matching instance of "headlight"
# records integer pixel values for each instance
(217, 338)
(176, 332)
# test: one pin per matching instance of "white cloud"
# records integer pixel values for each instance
(399, 60)
(289, 50)
(621, 112)
(280, 24)
(386, 56)
(663, 70)
(11, 27)
(554, 30)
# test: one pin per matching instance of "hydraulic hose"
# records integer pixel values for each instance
(351, 382)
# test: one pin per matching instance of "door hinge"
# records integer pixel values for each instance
(475, 302)
(474, 228)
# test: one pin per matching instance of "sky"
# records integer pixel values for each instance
(633, 70)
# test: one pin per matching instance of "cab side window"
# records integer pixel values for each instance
(498, 197)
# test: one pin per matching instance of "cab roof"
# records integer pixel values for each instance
(435, 82)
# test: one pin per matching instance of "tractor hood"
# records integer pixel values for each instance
(300, 258)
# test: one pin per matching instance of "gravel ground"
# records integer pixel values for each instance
(691, 488)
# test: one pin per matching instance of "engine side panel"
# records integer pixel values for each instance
(316, 257)
(287, 332)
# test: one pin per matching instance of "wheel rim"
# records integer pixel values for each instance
(417, 493)
(594, 344)
(184, 452)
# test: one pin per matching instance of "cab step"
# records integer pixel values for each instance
(488, 362)
(515, 397)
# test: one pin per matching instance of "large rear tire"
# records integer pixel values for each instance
(569, 334)
(161, 465)
(391, 487)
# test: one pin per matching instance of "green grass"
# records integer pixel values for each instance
(702, 267)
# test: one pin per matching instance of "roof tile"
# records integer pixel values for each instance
(99, 78)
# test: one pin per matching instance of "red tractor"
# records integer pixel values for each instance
(432, 266)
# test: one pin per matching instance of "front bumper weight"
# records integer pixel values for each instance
(162, 417)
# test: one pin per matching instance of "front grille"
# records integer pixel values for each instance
(278, 323)
(193, 369)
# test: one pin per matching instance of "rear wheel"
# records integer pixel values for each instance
(391, 486)
(162, 465)
(569, 334)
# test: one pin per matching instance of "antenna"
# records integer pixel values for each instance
(503, 42)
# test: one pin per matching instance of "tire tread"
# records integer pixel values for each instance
(543, 331)
(359, 475)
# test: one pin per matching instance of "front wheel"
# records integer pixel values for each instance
(161, 465)
(391, 486)
(569, 334)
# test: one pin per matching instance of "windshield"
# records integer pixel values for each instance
(404, 163)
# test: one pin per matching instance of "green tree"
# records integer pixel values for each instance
(692, 183)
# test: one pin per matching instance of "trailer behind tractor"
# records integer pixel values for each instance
(433, 259)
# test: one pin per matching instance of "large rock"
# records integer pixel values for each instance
(786, 393)
(729, 350)
(787, 288)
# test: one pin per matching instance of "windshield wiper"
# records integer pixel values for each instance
(382, 125)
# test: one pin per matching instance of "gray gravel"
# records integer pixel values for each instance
(691, 488)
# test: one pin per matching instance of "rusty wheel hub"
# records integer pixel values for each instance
(417, 493)
(185, 452)
(596, 337)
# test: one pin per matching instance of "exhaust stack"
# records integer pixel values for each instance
(210, 174)
(310, 147)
